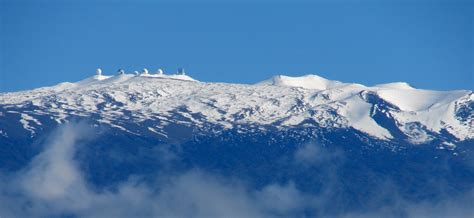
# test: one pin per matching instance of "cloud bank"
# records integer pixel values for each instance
(52, 185)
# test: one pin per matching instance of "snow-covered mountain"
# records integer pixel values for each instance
(285, 147)
(155, 104)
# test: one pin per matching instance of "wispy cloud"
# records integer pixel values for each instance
(313, 153)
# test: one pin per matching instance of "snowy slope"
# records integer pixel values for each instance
(282, 102)
(307, 82)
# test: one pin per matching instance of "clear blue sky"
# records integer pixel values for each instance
(427, 43)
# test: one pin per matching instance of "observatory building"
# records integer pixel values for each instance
(98, 72)
(159, 72)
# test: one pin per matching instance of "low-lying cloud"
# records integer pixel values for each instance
(53, 185)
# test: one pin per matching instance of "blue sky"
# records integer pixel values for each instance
(427, 43)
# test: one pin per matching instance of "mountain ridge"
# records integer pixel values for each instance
(282, 101)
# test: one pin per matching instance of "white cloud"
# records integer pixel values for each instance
(315, 154)
(282, 199)
(53, 174)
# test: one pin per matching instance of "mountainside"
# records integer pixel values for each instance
(151, 145)
(392, 111)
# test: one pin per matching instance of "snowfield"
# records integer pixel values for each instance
(281, 101)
